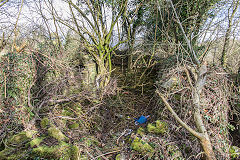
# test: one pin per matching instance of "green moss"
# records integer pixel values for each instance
(56, 133)
(62, 151)
(151, 128)
(158, 128)
(234, 151)
(16, 146)
(44, 123)
(21, 137)
(74, 152)
(142, 146)
(140, 131)
(67, 113)
(13, 154)
(73, 126)
(36, 142)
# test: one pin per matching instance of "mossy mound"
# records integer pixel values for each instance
(159, 127)
(142, 146)
(16, 147)
(62, 151)
(52, 145)
(21, 137)
(36, 142)
(141, 131)
(148, 141)
(44, 123)
(57, 134)
(12, 154)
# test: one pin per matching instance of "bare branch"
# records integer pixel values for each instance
(3, 3)
(188, 42)
(187, 127)
(84, 15)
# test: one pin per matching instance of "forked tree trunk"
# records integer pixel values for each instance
(201, 134)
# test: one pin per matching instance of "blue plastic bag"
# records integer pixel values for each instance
(142, 119)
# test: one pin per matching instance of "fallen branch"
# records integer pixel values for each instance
(187, 127)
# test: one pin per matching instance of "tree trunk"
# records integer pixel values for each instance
(205, 140)
(103, 75)
(207, 147)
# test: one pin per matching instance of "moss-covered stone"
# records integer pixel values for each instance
(36, 142)
(12, 153)
(63, 151)
(44, 123)
(142, 147)
(234, 152)
(159, 127)
(21, 138)
(140, 131)
(16, 146)
(74, 126)
(57, 134)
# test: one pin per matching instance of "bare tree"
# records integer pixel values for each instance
(234, 6)
(91, 22)
(202, 133)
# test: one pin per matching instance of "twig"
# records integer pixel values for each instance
(107, 154)
(63, 100)
(188, 76)
(66, 117)
(101, 153)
